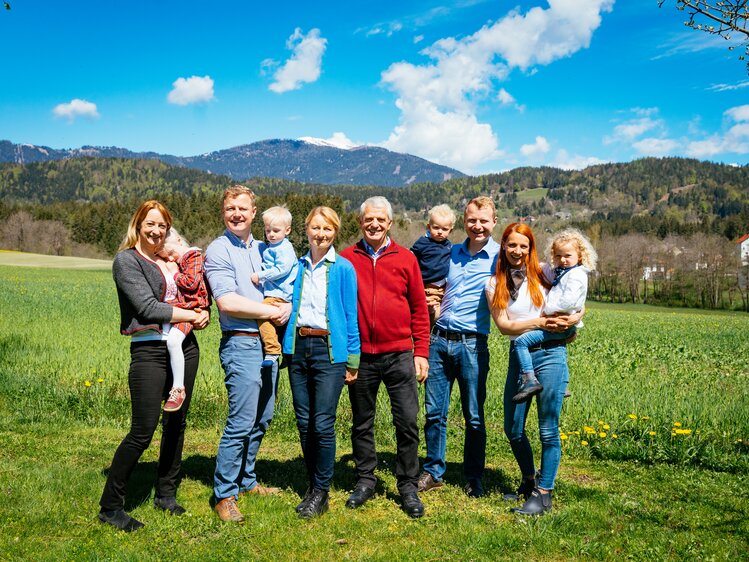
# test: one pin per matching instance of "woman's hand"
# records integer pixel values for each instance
(351, 375)
(203, 318)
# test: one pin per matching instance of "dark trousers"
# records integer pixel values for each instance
(150, 379)
(397, 371)
(316, 386)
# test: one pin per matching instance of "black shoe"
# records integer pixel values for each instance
(524, 490)
(305, 500)
(316, 505)
(527, 391)
(474, 489)
(359, 496)
(120, 520)
(168, 504)
(412, 505)
(427, 482)
(537, 504)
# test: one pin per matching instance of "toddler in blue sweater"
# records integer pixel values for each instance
(277, 276)
(432, 251)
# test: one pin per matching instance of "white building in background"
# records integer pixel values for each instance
(743, 244)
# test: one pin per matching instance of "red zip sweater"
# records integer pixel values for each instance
(393, 312)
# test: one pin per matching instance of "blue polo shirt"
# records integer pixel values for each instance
(464, 307)
(229, 264)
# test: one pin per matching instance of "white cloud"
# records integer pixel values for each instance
(506, 98)
(418, 39)
(728, 87)
(538, 148)
(566, 162)
(686, 43)
(655, 146)
(739, 113)
(440, 97)
(303, 66)
(76, 108)
(195, 89)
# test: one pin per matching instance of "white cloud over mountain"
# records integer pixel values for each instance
(195, 89)
(76, 108)
(304, 64)
(438, 100)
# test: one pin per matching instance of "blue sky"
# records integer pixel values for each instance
(482, 86)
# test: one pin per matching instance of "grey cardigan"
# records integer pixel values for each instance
(140, 288)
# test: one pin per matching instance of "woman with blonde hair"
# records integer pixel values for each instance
(144, 282)
(516, 294)
(322, 342)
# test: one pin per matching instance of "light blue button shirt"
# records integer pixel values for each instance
(376, 253)
(464, 307)
(314, 299)
(229, 264)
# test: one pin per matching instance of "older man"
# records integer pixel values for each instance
(394, 328)
(230, 260)
(459, 350)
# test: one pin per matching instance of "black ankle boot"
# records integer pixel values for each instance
(317, 504)
(524, 491)
(305, 500)
(537, 504)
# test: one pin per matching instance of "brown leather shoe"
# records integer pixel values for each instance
(427, 482)
(228, 511)
(260, 490)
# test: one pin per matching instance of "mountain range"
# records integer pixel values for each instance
(306, 160)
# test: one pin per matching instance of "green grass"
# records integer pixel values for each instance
(531, 195)
(24, 259)
(638, 495)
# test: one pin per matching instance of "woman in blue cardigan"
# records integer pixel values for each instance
(322, 342)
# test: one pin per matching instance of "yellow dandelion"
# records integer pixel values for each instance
(577, 433)
(563, 437)
(87, 384)
(606, 426)
(677, 424)
(600, 422)
(682, 431)
(673, 434)
(632, 416)
(100, 380)
(602, 434)
(645, 418)
(651, 433)
(589, 430)
(584, 443)
(614, 436)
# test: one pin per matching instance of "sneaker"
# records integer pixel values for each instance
(176, 398)
(269, 361)
(527, 390)
(427, 482)
(227, 510)
(120, 520)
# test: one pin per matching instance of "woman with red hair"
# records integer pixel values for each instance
(516, 296)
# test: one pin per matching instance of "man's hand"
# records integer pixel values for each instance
(421, 364)
(351, 375)
(255, 278)
(203, 319)
(283, 314)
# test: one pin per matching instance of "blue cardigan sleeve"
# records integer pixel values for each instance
(349, 290)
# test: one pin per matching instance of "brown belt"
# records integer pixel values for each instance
(314, 332)
(230, 333)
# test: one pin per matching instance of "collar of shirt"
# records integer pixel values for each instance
(237, 241)
(376, 253)
(490, 248)
(329, 256)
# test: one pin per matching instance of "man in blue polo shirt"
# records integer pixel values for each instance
(230, 261)
(458, 350)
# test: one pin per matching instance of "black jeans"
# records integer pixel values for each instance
(397, 371)
(150, 379)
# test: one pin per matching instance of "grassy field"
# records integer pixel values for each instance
(655, 437)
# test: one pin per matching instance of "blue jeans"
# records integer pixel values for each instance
(316, 386)
(252, 397)
(466, 361)
(536, 337)
(550, 366)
